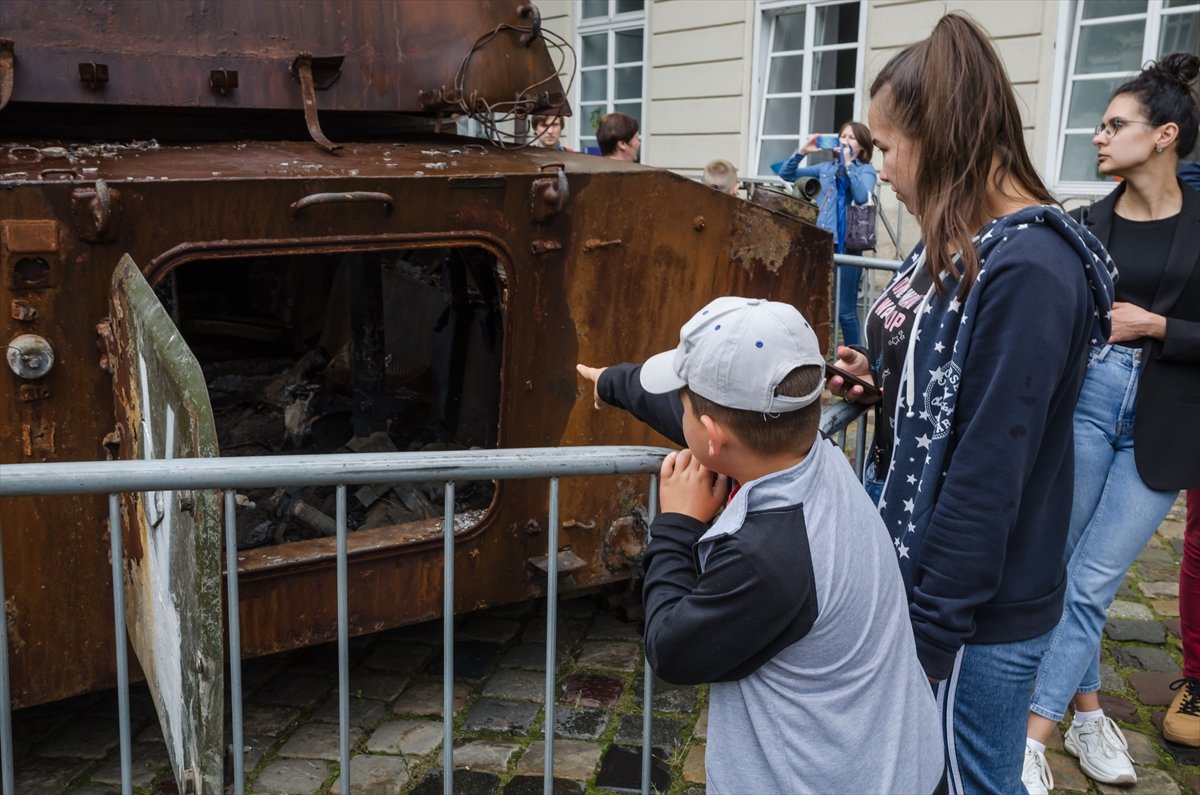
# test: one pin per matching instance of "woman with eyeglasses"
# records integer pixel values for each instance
(1137, 423)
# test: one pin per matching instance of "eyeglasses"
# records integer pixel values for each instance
(1110, 128)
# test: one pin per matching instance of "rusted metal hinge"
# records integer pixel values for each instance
(93, 75)
(316, 74)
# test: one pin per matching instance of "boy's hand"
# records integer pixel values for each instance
(592, 374)
(687, 487)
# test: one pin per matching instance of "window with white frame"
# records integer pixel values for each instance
(1110, 42)
(611, 50)
(809, 73)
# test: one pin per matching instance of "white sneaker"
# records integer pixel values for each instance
(1035, 774)
(1102, 751)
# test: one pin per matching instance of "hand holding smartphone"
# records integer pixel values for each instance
(870, 391)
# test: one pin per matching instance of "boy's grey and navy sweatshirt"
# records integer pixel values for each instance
(791, 605)
(978, 495)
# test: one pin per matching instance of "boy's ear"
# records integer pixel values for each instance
(718, 436)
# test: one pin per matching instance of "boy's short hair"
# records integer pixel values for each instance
(771, 434)
(754, 364)
(720, 174)
(615, 128)
(541, 120)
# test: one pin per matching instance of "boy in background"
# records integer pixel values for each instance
(789, 602)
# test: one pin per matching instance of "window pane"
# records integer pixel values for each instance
(633, 109)
(1179, 3)
(629, 46)
(1089, 99)
(782, 117)
(1116, 47)
(827, 112)
(773, 151)
(628, 6)
(837, 24)
(595, 8)
(628, 82)
(1180, 33)
(590, 118)
(594, 85)
(834, 69)
(787, 75)
(1079, 159)
(789, 32)
(595, 50)
(1095, 9)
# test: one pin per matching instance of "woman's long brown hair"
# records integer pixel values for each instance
(951, 94)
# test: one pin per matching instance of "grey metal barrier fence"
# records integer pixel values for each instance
(229, 474)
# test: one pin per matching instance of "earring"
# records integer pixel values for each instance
(1158, 148)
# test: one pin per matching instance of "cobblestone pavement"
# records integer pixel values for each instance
(291, 708)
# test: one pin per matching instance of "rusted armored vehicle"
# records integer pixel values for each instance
(235, 228)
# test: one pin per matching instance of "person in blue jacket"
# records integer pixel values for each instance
(849, 178)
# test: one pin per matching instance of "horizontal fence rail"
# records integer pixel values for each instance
(229, 474)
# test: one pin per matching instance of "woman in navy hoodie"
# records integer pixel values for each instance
(979, 346)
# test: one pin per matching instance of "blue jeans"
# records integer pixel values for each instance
(847, 292)
(983, 714)
(1113, 515)
(871, 482)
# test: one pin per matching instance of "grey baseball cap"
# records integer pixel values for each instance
(735, 352)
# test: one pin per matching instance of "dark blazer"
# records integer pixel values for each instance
(1166, 426)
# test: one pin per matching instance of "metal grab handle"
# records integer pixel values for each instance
(341, 198)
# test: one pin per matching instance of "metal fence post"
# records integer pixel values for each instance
(448, 640)
(6, 743)
(551, 637)
(647, 674)
(343, 606)
(235, 643)
(118, 585)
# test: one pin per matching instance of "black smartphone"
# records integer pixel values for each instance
(869, 389)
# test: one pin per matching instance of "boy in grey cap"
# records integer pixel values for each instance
(789, 602)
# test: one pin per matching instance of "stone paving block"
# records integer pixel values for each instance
(1144, 658)
(406, 737)
(1154, 554)
(1166, 607)
(85, 738)
(1141, 748)
(1121, 608)
(97, 789)
(666, 733)
(1066, 772)
(379, 686)
(505, 717)
(1110, 680)
(1055, 741)
(573, 759)
(472, 660)
(569, 631)
(621, 769)
(1172, 625)
(1183, 754)
(517, 686)
(270, 721)
(1152, 687)
(488, 628)
(591, 690)
(148, 762)
(1118, 709)
(1151, 781)
(1177, 546)
(141, 705)
(398, 657)
(253, 750)
(466, 782)
(488, 755)
(701, 730)
(375, 775)
(531, 656)
(1143, 631)
(47, 776)
(315, 660)
(427, 632)
(532, 785)
(1193, 783)
(425, 698)
(297, 690)
(364, 712)
(668, 697)
(693, 765)
(153, 732)
(1160, 590)
(317, 741)
(292, 777)
(606, 627)
(611, 655)
(258, 670)
(579, 724)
